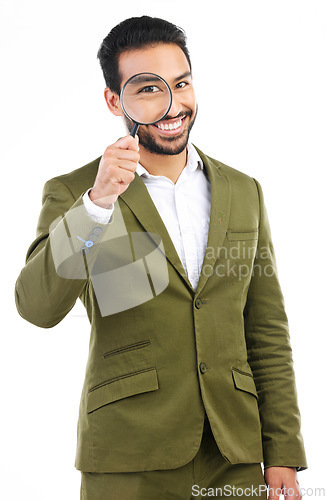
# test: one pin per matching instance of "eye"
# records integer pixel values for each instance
(150, 89)
(182, 85)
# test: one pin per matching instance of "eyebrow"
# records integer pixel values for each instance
(184, 75)
(152, 78)
(143, 79)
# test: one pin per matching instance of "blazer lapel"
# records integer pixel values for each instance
(141, 204)
(219, 216)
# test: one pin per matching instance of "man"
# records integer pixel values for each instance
(189, 384)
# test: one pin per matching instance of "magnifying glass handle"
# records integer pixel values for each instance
(134, 129)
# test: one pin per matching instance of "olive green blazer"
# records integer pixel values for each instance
(171, 353)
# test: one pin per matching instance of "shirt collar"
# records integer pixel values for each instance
(193, 162)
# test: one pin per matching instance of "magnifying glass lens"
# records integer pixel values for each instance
(146, 98)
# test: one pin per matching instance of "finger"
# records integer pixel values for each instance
(125, 165)
(274, 493)
(126, 154)
(114, 156)
(127, 142)
(292, 493)
(123, 177)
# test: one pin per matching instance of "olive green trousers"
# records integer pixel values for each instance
(208, 475)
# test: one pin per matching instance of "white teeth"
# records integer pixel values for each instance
(170, 126)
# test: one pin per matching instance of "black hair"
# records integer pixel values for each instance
(135, 33)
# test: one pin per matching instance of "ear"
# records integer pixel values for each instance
(113, 101)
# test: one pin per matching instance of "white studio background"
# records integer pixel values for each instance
(260, 79)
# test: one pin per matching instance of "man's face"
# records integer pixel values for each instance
(169, 62)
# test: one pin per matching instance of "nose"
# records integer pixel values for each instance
(176, 107)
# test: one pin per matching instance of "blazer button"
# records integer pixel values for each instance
(202, 368)
(198, 303)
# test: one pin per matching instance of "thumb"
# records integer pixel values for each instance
(127, 142)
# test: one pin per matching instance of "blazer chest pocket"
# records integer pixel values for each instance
(122, 387)
(244, 382)
(242, 235)
(127, 348)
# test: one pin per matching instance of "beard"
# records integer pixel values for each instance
(173, 145)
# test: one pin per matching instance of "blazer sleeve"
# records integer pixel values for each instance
(270, 357)
(57, 263)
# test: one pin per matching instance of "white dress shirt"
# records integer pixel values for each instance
(184, 208)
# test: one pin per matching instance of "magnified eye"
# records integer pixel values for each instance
(150, 89)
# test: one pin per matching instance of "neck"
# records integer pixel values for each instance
(170, 166)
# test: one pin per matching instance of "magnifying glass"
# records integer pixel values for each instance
(146, 98)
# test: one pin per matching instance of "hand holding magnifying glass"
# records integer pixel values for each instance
(146, 99)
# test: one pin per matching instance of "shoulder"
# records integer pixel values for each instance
(77, 181)
(238, 180)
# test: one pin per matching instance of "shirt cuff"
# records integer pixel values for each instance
(96, 213)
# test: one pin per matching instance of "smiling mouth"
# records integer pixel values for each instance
(170, 127)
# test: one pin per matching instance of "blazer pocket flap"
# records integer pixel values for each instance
(244, 382)
(242, 235)
(122, 387)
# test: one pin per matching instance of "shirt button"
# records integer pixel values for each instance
(202, 368)
(198, 303)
